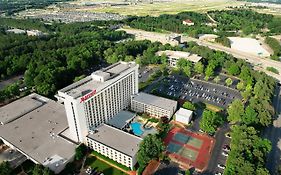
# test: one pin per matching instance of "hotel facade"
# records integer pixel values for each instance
(95, 99)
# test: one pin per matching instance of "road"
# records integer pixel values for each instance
(253, 59)
(216, 153)
(273, 133)
(259, 63)
(5, 83)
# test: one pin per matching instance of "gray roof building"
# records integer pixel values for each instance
(33, 126)
(116, 139)
(121, 119)
(164, 103)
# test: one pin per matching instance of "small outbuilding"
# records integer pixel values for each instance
(183, 116)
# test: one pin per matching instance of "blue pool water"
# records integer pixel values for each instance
(136, 126)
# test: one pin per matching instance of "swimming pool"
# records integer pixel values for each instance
(136, 126)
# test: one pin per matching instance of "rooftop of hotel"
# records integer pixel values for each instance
(117, 139)
(180, 54)
(97, 80)
(153, 100)
(35, 130)
(121, 119)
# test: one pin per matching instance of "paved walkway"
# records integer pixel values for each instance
(111, 164)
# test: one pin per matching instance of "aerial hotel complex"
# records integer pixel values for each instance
(153, 105)
(90, 111)
(95, 99)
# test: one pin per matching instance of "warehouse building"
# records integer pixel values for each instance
(153, 105)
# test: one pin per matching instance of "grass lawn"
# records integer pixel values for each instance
(102, 166)
(213, 108)
(176, 6)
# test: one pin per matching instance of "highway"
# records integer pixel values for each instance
(259, 63)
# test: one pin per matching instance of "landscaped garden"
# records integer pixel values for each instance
(102, 166)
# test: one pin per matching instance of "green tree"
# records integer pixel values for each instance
(211, 121)
(80, 151)
(234, 69)
(188, 105)
(150, 148)
(209, 71)
(228, 81)
(5, 168)
(199, 68)
(240, 86)
(217, 79)
(235, 111)
(187, 70)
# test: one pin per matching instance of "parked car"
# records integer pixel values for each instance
(221, 166)
(226, 148)
(224, 154)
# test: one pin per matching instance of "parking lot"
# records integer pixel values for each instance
(197, 91)
(145, 72)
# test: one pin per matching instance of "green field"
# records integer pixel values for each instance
(102, 166)
(173, 7)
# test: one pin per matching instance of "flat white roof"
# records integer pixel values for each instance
(153, 100)
(184, 112)
(37, 132)
(248, 45)
(88, 84)
(179, 54)
(116, 139)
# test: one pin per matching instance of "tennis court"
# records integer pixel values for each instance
(189, 149)
(188, 140)
(182, 151)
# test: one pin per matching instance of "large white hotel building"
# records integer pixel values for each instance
(95, 99)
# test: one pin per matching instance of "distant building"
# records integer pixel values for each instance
(115, 144)
(34, 33)
(208, 37)
(153, 105)
(183, 116)
(16, 31)
(174, 56)
(188, 22)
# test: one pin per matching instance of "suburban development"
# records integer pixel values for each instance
(140, 87)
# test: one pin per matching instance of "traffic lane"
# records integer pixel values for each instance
(145, 72)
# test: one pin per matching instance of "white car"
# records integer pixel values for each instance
(224, 154)
(221, 166)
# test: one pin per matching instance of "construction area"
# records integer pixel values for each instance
(188, 149)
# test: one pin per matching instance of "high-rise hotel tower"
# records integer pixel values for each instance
(95, 99)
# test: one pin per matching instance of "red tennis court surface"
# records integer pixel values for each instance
(189, 149)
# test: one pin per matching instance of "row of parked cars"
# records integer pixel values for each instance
(225, 153)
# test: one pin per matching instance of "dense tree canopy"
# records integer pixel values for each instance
(211, 121)
(150, 148)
